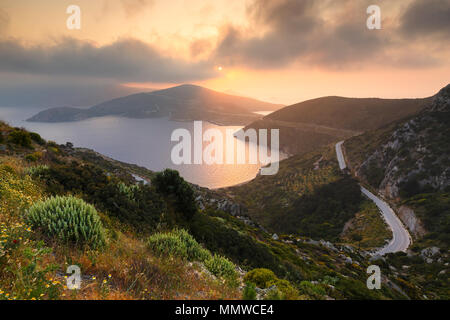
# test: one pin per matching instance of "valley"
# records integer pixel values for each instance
(400, 236)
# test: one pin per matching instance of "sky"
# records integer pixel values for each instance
(282, 51)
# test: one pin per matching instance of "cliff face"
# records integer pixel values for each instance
(411, 221)
(414, 158)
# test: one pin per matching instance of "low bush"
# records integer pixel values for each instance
(178, 243)
(36, 138)
(33, 157)
(238, 246)
(68, 219)
(221, 267)
(261, 277)
(249, 292)
(313, 290)
(36, 171)
(194, 251)
(288, 292)
(129, 191)
(20, 137)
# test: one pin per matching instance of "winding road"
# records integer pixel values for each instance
(401, 238)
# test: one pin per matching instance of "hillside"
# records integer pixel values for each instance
(311, 197)
(408, 163)
(313, 123)
(185, 102)
(136, 249)
(408, 157)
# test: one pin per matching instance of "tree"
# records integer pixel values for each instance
(170, 183)
(20, 137)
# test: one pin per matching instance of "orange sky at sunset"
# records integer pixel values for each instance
(283, 51)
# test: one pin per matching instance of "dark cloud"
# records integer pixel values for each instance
(348, 43)
(124, 60)
(331, 34)
(285, 15)
(290, 24)
(297, 31)
(325, 33)
(427, 18)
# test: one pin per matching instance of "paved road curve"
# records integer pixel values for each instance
(401, 238)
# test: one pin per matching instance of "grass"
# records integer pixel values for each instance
(123, 269)
(369, 224)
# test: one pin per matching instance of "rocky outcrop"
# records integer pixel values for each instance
(410, 220)
(414, 157)
(430, 254)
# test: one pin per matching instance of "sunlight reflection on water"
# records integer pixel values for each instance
(144, 142)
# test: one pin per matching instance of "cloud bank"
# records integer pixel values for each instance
(327, 34)
(333, 34)
(124, 60)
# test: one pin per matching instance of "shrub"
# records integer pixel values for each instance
(170, 183)
(287, 291)
(273, 294)
(313, 290)
(20, 137)
(221, 267)
(249, 292)
(261, 277)
(69, 219)
(167, 244)
(238, 246)
(36, 138)
(36, 171)
(143, 213)
(129, 191)
(178, 243)
(194, 251)
(33, 157)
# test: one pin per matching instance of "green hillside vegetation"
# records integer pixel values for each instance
(367, 229)
(408, 161)
(433, 209)
(314, 123)
(138, 222)
(309, 197)
(359, 114)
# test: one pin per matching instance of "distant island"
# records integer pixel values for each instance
(180, 103)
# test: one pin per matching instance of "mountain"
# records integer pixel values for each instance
(313, 123)
(408, 162)
(185, 102)
(407, 157)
